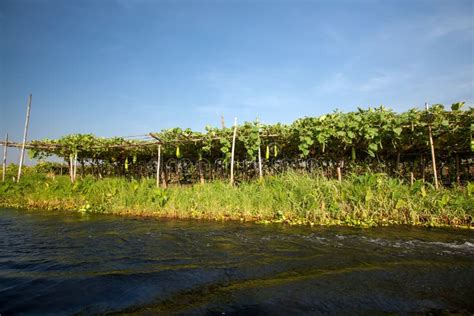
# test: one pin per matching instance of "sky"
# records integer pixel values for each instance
(129, 67)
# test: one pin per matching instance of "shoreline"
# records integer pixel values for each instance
(368, 200)
(40, 206)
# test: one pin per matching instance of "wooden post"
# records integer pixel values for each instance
(430, 134)
(71, 168)
(222, 122)
(4, 164)
(458, 173)
(260, 171)
(75, 166)
(25, 134)
(412, 178)
(158, 167)
(339, 172)
(232, 153)
(397, 166)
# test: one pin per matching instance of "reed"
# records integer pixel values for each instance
(370, 199)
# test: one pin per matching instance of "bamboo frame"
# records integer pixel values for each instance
(4, 163)
(25, 135)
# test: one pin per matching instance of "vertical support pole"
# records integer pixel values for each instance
(4, 164)
(458, 173)
(222, 122)
(397, 165)
(260, 170)
(201, 174)
(75, 166)
(71, 168)
(433, 159)
(339, 172)
(412, 178)
(25, 134)
(158, 166)
(233, 153)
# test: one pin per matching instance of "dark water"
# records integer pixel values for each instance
(59, 263)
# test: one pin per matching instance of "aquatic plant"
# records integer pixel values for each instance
(294, 197)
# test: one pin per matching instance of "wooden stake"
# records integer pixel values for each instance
(430, 134)
(71, 168)
(232, 153)
(25, 134)
(339, 173)
(71, 172)
(260, 171)
(4, 164)
(397, 166)
(222, 122)
(201, 173)
(75, 166)
(158, 167)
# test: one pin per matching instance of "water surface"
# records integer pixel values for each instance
(63, 263)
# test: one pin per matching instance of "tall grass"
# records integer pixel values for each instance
(363, 200)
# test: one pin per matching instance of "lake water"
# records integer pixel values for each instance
(63, 263)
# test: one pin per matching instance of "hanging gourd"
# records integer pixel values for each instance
(324, 147)
(178, 152)
(267, 153)
(134, 159)
(275, 149)
(126, 164)
(472, 137)
(353, 154)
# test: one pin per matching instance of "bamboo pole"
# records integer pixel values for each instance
(71, 168)
(232, 153)
(339, 174)
(397, 166)
(75, 166)
(25, 134)
(260, 171)
(4, 164)
(339, 171)
(158, 167)
(222, 122)
(433, 159)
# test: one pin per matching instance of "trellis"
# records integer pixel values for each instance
(341, 139)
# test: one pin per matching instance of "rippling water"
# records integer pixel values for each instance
(60, 263)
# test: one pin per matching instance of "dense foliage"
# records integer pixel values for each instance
(374, 134)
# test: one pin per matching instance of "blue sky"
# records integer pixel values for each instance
(117, 68)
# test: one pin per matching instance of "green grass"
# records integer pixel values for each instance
(295, 198)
